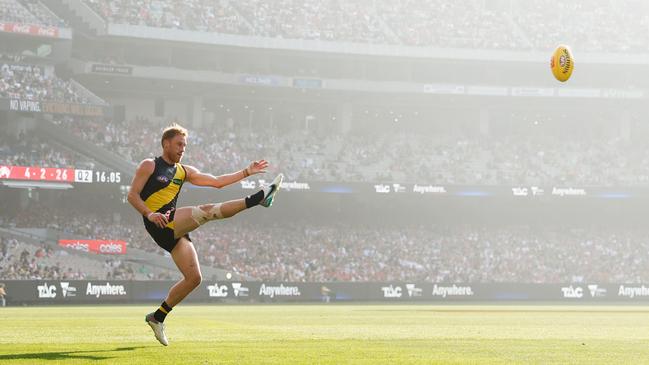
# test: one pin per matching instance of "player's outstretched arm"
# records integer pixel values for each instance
(142, 173)
(204, 179)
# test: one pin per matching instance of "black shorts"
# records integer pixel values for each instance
(164, 237)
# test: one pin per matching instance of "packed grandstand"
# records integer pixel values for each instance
(66, 111)
(502, 25)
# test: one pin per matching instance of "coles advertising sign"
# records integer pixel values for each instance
(29, 29)
(96, 246)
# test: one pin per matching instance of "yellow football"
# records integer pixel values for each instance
(562, 63)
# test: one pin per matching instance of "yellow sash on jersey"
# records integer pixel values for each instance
(165, 195)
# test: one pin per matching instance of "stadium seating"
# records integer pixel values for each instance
(21, 260)
(304, 251)
(28, 12)
(28, 149)
(405, 157)
(598, 25)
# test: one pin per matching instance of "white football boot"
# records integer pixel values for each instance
(271, 190)
(158, 329)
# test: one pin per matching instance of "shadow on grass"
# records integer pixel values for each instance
(66, 355)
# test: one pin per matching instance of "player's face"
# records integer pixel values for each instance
(174, 148)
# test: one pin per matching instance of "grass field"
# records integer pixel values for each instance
(335, 334)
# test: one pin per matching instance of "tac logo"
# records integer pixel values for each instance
(217, 291)
(391, 291)
(572, 292)
(46, 291)
(381, 188)
(163, 179)
(248, 184)
(524, 191)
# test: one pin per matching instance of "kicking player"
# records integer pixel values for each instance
(154, 192)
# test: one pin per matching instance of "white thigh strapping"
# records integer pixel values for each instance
(201, 217)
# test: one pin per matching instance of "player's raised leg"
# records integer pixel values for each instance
(186, 259)
(187, 219)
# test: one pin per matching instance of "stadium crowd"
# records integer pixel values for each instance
(24, 81)
(437, 254)
(20, 260)
(468, 24)
(303, 251)
(594, 25)
(28, 12)
(73, 222)
(28, 149)
(539, 24)
(405, 157)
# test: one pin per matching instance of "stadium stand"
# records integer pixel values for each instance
(29, 149)
(471, 24)
(327, 252)
(406, 157)
(42, 14)
(21, 260)
(28, 12)
(38, 82)
(304, 251)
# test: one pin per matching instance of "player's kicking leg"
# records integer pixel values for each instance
(187, 219)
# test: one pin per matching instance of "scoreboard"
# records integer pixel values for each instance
(58, 174)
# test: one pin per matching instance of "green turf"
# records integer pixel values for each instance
(334, 334)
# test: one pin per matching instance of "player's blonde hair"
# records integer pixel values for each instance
(171, 131)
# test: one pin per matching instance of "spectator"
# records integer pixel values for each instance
(3, 294)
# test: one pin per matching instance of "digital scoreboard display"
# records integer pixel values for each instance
(58, 174)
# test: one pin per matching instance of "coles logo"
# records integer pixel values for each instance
(111, 248)
(96, 246)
